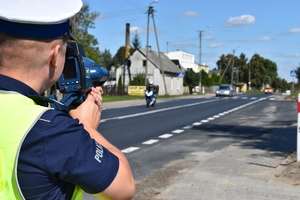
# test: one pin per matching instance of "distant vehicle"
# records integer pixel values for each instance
(269, 90)
(225, 90)
(288, 92)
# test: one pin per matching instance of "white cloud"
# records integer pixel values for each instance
(240, 20)
(138, 30)
(292, 31)
(182, 45)
(208, 37)
(103, 16)
(143, 30)
(295, 55)
(187, 14)
(262, 39)
(216, 45)
(239, 40)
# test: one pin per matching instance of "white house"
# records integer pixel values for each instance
(165, 74)
(187, 61)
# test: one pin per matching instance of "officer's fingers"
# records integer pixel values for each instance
(97, 98)
(98, 89)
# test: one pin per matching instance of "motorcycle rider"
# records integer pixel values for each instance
(152, 87)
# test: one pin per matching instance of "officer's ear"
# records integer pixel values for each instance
(54, 56)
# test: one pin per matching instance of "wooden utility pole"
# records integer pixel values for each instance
(150, 12)
(232, 67)
(160, 63)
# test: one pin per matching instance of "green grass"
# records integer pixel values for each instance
(107, 98)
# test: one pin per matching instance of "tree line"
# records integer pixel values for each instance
(257, 72)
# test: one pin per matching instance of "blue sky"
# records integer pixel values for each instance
(270, 28)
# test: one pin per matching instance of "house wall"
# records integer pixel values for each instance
(173, 83)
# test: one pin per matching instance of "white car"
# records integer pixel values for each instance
(225, 90)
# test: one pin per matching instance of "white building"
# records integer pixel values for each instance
(171, 76)
(187, 61)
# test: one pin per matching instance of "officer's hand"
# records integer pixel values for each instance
(89, 112)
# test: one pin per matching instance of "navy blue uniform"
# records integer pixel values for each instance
(58, 153)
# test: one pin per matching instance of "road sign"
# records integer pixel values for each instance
(293, 73)
(180, 74)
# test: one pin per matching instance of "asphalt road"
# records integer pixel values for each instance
(161, 137)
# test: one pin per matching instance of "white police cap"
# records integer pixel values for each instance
(37, 18)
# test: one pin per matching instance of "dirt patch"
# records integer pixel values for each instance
(152, 185)
(288, 171)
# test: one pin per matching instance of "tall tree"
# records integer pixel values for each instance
(298, 74)
(81, 23)
(258, 71)
(191, 79)
(205, 80)
(225, 66)
(241, 69)
(119, 57)
(136, 42)
(271, 68)
(106, 59)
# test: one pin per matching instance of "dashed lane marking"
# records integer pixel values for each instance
(130, 149)
(150, 142)
(178, 131)
(197, 124)
(187, 127)
(165, 136)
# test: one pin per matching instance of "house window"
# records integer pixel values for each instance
(144, 63)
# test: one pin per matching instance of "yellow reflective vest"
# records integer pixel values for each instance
(18, 114)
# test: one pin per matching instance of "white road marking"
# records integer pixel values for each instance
(197, 124)
(150, 141)
(156, 111)
(130, 149)
(165, 136)
(187, 127)
(178, 131)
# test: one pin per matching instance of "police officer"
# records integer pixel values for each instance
(46, 153)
